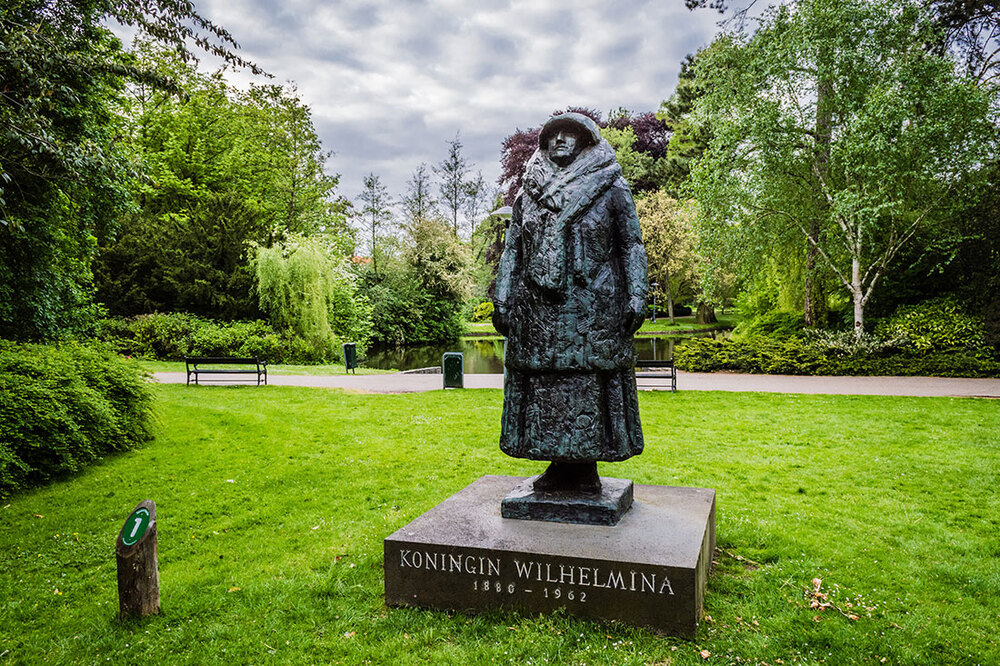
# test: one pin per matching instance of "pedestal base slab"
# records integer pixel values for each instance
(651, 569)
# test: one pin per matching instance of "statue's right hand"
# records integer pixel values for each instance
(500, 320)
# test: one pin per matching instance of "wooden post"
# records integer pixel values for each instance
(138, 573)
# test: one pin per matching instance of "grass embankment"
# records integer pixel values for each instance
(273, 503)
(683, 324)
(661, 325)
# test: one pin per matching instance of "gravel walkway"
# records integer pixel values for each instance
(686, 381)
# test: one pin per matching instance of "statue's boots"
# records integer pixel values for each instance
(563, 477)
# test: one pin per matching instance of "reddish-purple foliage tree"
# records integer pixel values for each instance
(517, 148)
(651, 134)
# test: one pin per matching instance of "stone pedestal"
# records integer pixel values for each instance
(650, 569)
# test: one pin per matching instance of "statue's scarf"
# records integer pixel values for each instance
(553, 198)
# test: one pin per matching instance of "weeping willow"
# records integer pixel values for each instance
(308, 292)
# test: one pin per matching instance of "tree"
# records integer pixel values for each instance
(305, 286)
(419, 203)
(419, 295)
(636, 167)
(478, 196)
(971, 30)
(223, 169)
(438, 266)
(375, 213)
(64, 167)
(517, 149)
(297, 194)
(688, 139)
(834, 122)
(452, 171)
(668, 234)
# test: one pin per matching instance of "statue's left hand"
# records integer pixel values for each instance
(637, 312)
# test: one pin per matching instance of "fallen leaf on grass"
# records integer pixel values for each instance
(235, 589)
(38, 515)
(705, 654)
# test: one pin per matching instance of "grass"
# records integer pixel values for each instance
(272, 369)
(480, 327)
(273, 503)
(661, 325)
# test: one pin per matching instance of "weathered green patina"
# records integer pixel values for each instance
(570, 292)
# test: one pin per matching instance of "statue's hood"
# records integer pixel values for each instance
(577, 122)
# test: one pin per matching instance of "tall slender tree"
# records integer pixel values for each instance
(418, 203)
(452, 172)
(375, 213)
(478, 196)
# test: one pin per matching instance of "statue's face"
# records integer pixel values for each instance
(562, 146)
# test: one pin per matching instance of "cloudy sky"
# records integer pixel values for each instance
(389, 82)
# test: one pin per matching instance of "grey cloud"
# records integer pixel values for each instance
(361, 18)
(423, 46)
(390, 81)
(621, 51)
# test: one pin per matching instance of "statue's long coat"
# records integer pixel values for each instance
(570, 292)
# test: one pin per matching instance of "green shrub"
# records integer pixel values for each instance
(817, 356)
(938, 324)
(775, 325)
(483, 311)
(171, 337)
(64, 406)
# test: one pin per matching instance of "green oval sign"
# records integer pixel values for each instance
(135, 526)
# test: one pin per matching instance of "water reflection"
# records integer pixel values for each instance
(486, 356)
(480, 356)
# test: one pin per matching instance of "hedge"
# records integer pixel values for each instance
(795, 356)
(171, 337)
(62, 407)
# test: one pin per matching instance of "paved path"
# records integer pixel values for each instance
(686, 381)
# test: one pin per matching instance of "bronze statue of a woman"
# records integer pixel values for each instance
(570, 293)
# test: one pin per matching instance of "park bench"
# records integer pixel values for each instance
(658, 370)
(237, 366)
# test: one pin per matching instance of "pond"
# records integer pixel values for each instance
(486, 356)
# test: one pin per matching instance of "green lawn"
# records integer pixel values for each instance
(661, 325)
(273, 503)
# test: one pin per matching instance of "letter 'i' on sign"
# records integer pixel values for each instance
(138, 575)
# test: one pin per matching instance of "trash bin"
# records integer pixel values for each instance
(453, 368)
(350, 357)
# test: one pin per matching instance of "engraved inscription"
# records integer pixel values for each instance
(448, 563)
(553, 580)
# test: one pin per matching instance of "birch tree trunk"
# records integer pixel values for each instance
(670, 301)
(857, 291)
